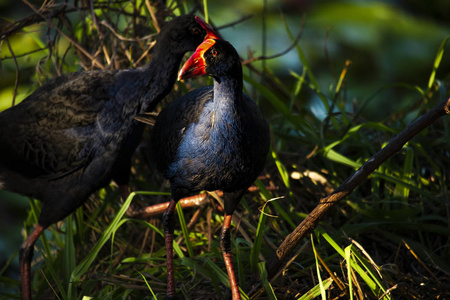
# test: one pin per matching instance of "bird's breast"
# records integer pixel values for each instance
(211, 146)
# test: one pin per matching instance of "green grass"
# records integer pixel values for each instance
(389, 239)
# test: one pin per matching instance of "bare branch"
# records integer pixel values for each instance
(33, 19)
(275, 263)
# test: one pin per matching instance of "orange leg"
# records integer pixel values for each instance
(25, 257)
(168, 220)
(225, 244)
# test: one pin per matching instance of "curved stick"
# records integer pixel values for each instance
(276, 262)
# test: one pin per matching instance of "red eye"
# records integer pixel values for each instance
(196, 31)
(214, 52)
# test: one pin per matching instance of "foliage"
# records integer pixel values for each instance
(330, 109)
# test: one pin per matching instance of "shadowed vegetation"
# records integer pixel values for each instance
(349, 85)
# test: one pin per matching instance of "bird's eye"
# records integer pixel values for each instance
(195, 31)
(214, 52)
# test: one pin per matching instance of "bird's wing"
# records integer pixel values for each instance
(50, 132)
(180, 114)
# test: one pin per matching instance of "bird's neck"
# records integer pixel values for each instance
(227, 91)
(226, 108)
(159, 76)
(146, 86)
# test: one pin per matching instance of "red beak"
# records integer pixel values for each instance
(210, 34)
(195, 65)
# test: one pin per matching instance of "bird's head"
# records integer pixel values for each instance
(187, 32)
(213, 57)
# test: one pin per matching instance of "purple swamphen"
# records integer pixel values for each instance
(75, 134)
(211, 138)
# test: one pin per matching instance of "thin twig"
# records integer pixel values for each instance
(99, 32)
(336, 95)
(48, 15)
(85, 52)
(122, 38)
(16, 83)
(297, 39)
(152, 14)
(34, 19)
(144, 55)
(244, 18)
(79, 47)
(421, 262)
(23, 54)
(37, 11)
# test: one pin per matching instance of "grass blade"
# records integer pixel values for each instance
(184, 229)
(319, 277)
(115, 224)
(437, 62)
(316, 290)
(223, 277)
(401, 190)
(353, 264)
(266, 284)
(69, 250)
(204, 271)
(256, 249)
(274, 101)
(347, 257)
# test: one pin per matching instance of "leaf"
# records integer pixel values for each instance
(437, 62)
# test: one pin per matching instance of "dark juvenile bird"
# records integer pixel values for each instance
(75, 134)
(211, 138)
